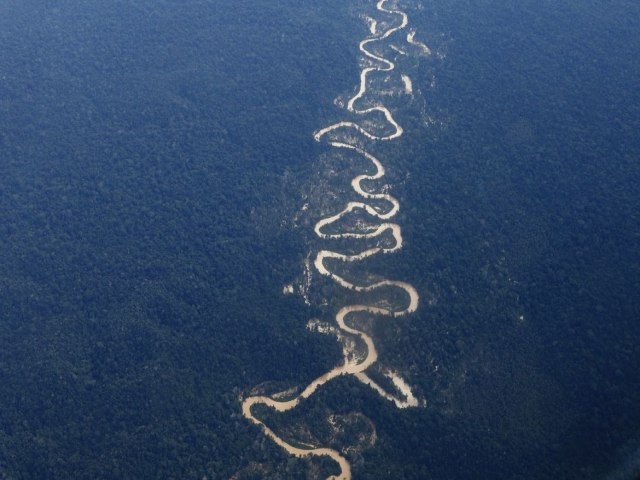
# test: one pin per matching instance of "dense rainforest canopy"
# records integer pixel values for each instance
(154, 159)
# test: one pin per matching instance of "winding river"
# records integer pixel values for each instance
(403, 397)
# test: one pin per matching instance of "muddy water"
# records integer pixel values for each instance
(357, 367)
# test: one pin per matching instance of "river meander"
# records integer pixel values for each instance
(394, 21)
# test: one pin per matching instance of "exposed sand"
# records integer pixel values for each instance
(408, 84)
(411, 39)
(373, 24)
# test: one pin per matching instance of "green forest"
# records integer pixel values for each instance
(154, 161)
